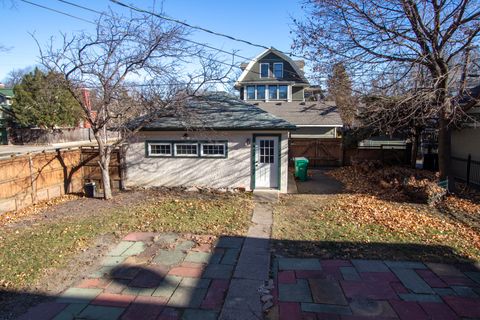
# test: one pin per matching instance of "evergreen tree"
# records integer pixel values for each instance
(43, 100)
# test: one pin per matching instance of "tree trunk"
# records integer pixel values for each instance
(104, 166)
(414, 154)
(444, 149)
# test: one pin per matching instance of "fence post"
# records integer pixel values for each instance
(469, 163)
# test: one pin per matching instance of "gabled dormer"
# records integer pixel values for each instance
(272, 76)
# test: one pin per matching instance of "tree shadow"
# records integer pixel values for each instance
(228, 280)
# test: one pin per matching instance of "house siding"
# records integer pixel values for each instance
(297, 94)
(235, 171)
(289, 74)
(465, 142)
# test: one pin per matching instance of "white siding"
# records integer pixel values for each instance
(465, 142)
(233, 172)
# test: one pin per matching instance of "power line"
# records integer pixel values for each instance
(57, 11)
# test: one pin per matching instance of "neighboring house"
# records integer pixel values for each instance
(272, 76)
(215, 141)
(277, 84)
(6, 96)
(466, 142)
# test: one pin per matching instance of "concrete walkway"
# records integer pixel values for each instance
(253, 266)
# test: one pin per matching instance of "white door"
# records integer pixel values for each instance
(266, 162)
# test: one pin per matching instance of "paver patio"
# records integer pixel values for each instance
(362, 289)
(150, 276)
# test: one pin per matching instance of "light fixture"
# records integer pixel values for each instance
(185, 136)
(247, 142)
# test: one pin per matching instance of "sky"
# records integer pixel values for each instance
(266, 22)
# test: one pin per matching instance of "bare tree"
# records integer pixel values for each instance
(127, 69)
(392, 37)
(15, 76)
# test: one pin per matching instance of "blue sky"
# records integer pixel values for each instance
(259, 21)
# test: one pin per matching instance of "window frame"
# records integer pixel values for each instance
(198, 143)
(149, 153)
(254, 92)
(268, 70)
(274, 71)
(264, 92)
(215, 143)
(176, 155)
(286, 92)
(276, 91)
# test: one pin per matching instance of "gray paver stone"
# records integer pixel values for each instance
(230, 256)
(167, 287)
(405, 264)
(443, 269)
(195, 283)
(71, 311)
(298, 264)
(372, 308)
(218, 271)
(78, 295)
(370, 266)
(185, 245)
(101, 313)
(199, 314)
(137, 291)
(198, 257)
(230, 242)
(327, 291)
(463, 291)
(112, 260)
(325, 308)
(166, 238)
(103, 271)
(475, 276)
(169, 257)
(411, 280)
(121, 248)
(136, 248)
(187, 297)
(257, 270)
(420, 297)
(295, 292)
(444, 292)
(349, 273)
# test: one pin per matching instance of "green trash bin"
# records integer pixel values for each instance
(301, 165)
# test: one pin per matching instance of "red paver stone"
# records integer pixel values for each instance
(398, 287)
(216, 294)
(113, 300)
(431, 279)
(308, 316)
(169, 314)
(368, 289)
(379, 276)
(335, 263)
(464, 307)
(43, 311)
(186, 272)
(332, 272)
(145, 308)
(327, 316)
(352, 317)
(408, 310)
(203, 248)
(305, 274)
(140, 236)
(438, 311)
(289, 311)
(94, 283)
(286, 277)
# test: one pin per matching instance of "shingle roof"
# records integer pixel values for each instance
(217, 111)
(305, 113)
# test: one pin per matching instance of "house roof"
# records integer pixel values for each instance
(6, 92)
(313, 113)
(217, 111)
(283, 56)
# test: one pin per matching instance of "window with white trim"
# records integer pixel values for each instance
(251, 92)
(186, 149)
(264, 70)
(213, 150)
(261, 92)
(159, 149)
(278, 70)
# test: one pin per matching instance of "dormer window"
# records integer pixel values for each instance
(278, 70)
(264, 70)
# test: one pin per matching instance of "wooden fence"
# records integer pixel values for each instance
(320, 152)
(31, 178)
(38, 136)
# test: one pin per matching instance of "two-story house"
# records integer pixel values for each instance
(6, 96)
(277, 84)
